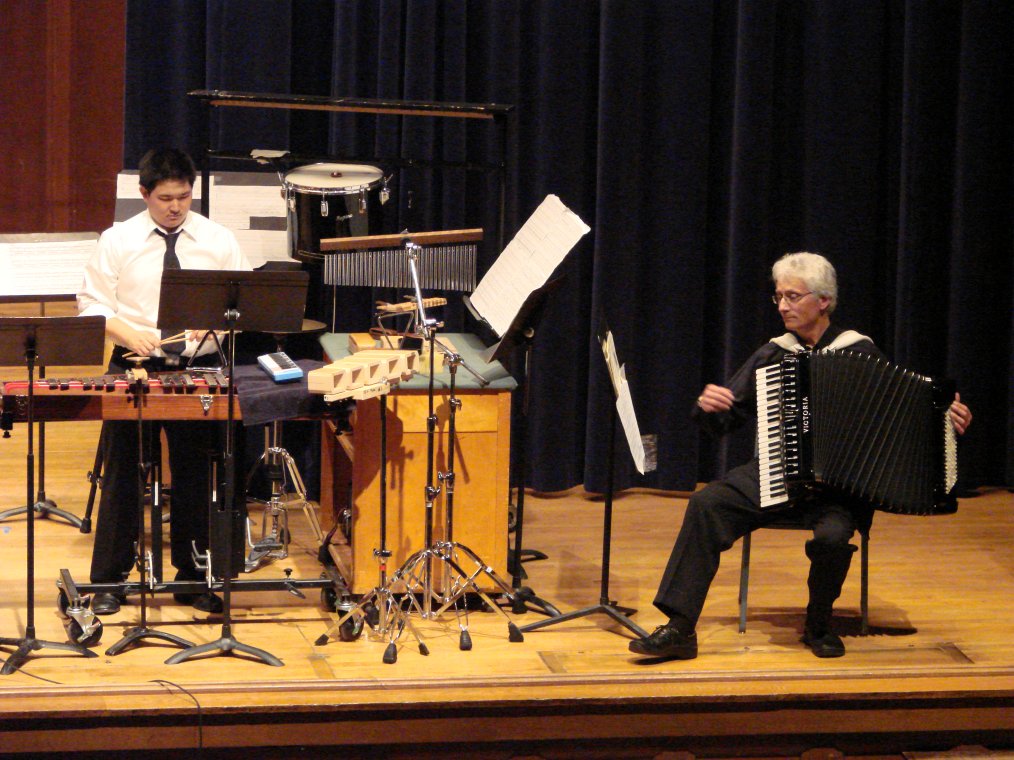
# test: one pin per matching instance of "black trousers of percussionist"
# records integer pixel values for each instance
(191, 444)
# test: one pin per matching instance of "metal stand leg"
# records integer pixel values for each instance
(274, 541)
(42, 506)
(27, 644)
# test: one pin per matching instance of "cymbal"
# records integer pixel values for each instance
(309, 327)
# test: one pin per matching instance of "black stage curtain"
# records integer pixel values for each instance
(699, 139)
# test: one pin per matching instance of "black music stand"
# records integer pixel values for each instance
(74, 340)
(605, 606)
(521, 334)
(43, 293)
(267, 301)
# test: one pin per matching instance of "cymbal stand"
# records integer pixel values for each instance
(147, 475)
(417, 573)
(379, 607)
(29, 643)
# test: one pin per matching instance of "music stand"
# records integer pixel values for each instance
(605, 606)
(266, 301)
(521, 335)
(71, 340)
(63, 262)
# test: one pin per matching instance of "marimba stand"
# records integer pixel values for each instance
(73, 340)
(147, 474)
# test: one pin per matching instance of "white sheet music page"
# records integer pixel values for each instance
(625, 407)
(44, 268)
(527, 262)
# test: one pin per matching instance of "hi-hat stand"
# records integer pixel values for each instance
(74, 340)
(265, 301)
(147, 476)
(280, 471)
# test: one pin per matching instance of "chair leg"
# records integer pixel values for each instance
(744, 582)
(864, 584)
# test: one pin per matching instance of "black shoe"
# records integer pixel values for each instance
(824, 643)
(107, 604)
(667, 642)
(206, 602)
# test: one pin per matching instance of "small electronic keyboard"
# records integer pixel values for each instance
(281, 368)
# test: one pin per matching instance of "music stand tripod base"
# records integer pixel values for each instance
(35, 340)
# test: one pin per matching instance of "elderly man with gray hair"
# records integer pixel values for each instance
(806, 293)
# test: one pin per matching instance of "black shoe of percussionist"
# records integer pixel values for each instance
(667, 642)
(107, 604)
(206, 602)
(823, 642)
(202, 601)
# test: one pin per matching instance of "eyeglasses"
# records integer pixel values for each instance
(792, 298)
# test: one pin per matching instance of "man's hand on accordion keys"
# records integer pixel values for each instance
(715, 398)
(961, 415)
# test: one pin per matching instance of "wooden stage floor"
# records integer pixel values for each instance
(936, 671)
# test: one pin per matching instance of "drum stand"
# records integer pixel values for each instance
(147, 475)
(30, 332)
(378, 608)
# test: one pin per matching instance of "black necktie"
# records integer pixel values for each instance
(171, 261)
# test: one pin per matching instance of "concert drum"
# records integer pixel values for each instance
(329, 201)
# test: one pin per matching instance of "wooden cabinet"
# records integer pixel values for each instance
(351, 470)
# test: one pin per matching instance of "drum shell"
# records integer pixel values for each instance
(319, 212)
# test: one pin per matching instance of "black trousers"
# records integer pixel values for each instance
(191, 444)
(726, 510)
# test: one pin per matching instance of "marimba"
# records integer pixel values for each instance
(165, 396)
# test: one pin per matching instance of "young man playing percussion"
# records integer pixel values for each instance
(122, 283)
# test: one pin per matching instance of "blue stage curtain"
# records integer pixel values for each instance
(699, 139)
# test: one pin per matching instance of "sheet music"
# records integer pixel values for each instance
(642, 448)
(44, 267)
(527, 262)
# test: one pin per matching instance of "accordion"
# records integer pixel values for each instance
(859, 424)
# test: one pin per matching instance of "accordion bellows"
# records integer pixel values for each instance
(860, 424)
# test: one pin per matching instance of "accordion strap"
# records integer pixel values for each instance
(791, 343)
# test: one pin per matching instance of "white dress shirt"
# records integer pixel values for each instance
(123, 277)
